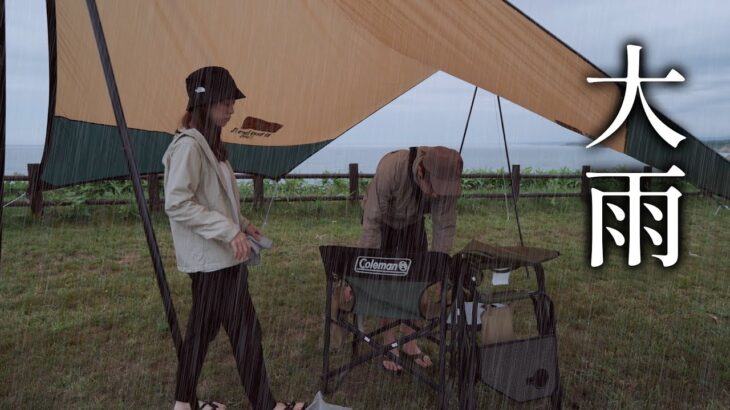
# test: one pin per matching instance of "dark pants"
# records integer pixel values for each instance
(221, 297)
(408, 238)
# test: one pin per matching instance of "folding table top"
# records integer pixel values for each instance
(495, 257)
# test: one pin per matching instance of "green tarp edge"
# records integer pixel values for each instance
(96, 152)
(272, 162)
(703, 166)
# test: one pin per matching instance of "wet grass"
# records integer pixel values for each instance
(82, 326)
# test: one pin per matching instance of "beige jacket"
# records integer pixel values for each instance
(390, 200)
(198, 205)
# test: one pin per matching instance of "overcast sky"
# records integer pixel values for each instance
(692, 37)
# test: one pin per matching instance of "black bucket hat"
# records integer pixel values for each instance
(209, 85)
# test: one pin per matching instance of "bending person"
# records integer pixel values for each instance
(407, 185)
(209, 235)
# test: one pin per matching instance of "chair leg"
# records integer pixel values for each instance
(544, 314)
(471, 367)
(556, 399)
(442, 349)
(325, 360)
(355, 340)
(327, 334)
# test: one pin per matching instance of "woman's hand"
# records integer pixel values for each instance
(252, 230)
(240, 246)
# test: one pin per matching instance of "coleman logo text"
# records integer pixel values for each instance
(382, 266)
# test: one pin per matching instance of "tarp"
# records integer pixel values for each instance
(311, 70)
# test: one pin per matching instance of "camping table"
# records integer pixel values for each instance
(525, 369)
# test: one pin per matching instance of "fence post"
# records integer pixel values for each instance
(258, 190)
(354, 183)
(585, 183)
(153, 187)
(647, 181)
(35, 194)
(516, 178)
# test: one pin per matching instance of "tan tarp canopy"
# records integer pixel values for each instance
(316, 67)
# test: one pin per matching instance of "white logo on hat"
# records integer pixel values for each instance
(200, 90)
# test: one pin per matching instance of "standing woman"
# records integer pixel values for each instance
(209, 234)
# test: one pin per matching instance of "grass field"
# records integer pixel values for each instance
(82, 326)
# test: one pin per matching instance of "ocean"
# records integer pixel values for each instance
(18, 156)
(535, 156)
(337, 158)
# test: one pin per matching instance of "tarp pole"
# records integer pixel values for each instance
(512, 179)
(2, 121)
(134, 172)
(466, 127)
(509, 167)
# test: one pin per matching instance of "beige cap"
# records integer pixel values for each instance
(444, 167)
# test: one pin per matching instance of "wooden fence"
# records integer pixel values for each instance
(36, 203)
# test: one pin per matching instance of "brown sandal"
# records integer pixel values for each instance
(419, 356)
(290, 405)
(208, 404)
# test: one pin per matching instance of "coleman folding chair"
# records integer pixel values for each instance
(388, 285)
(523, 369)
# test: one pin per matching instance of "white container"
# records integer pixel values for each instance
(500, 276)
